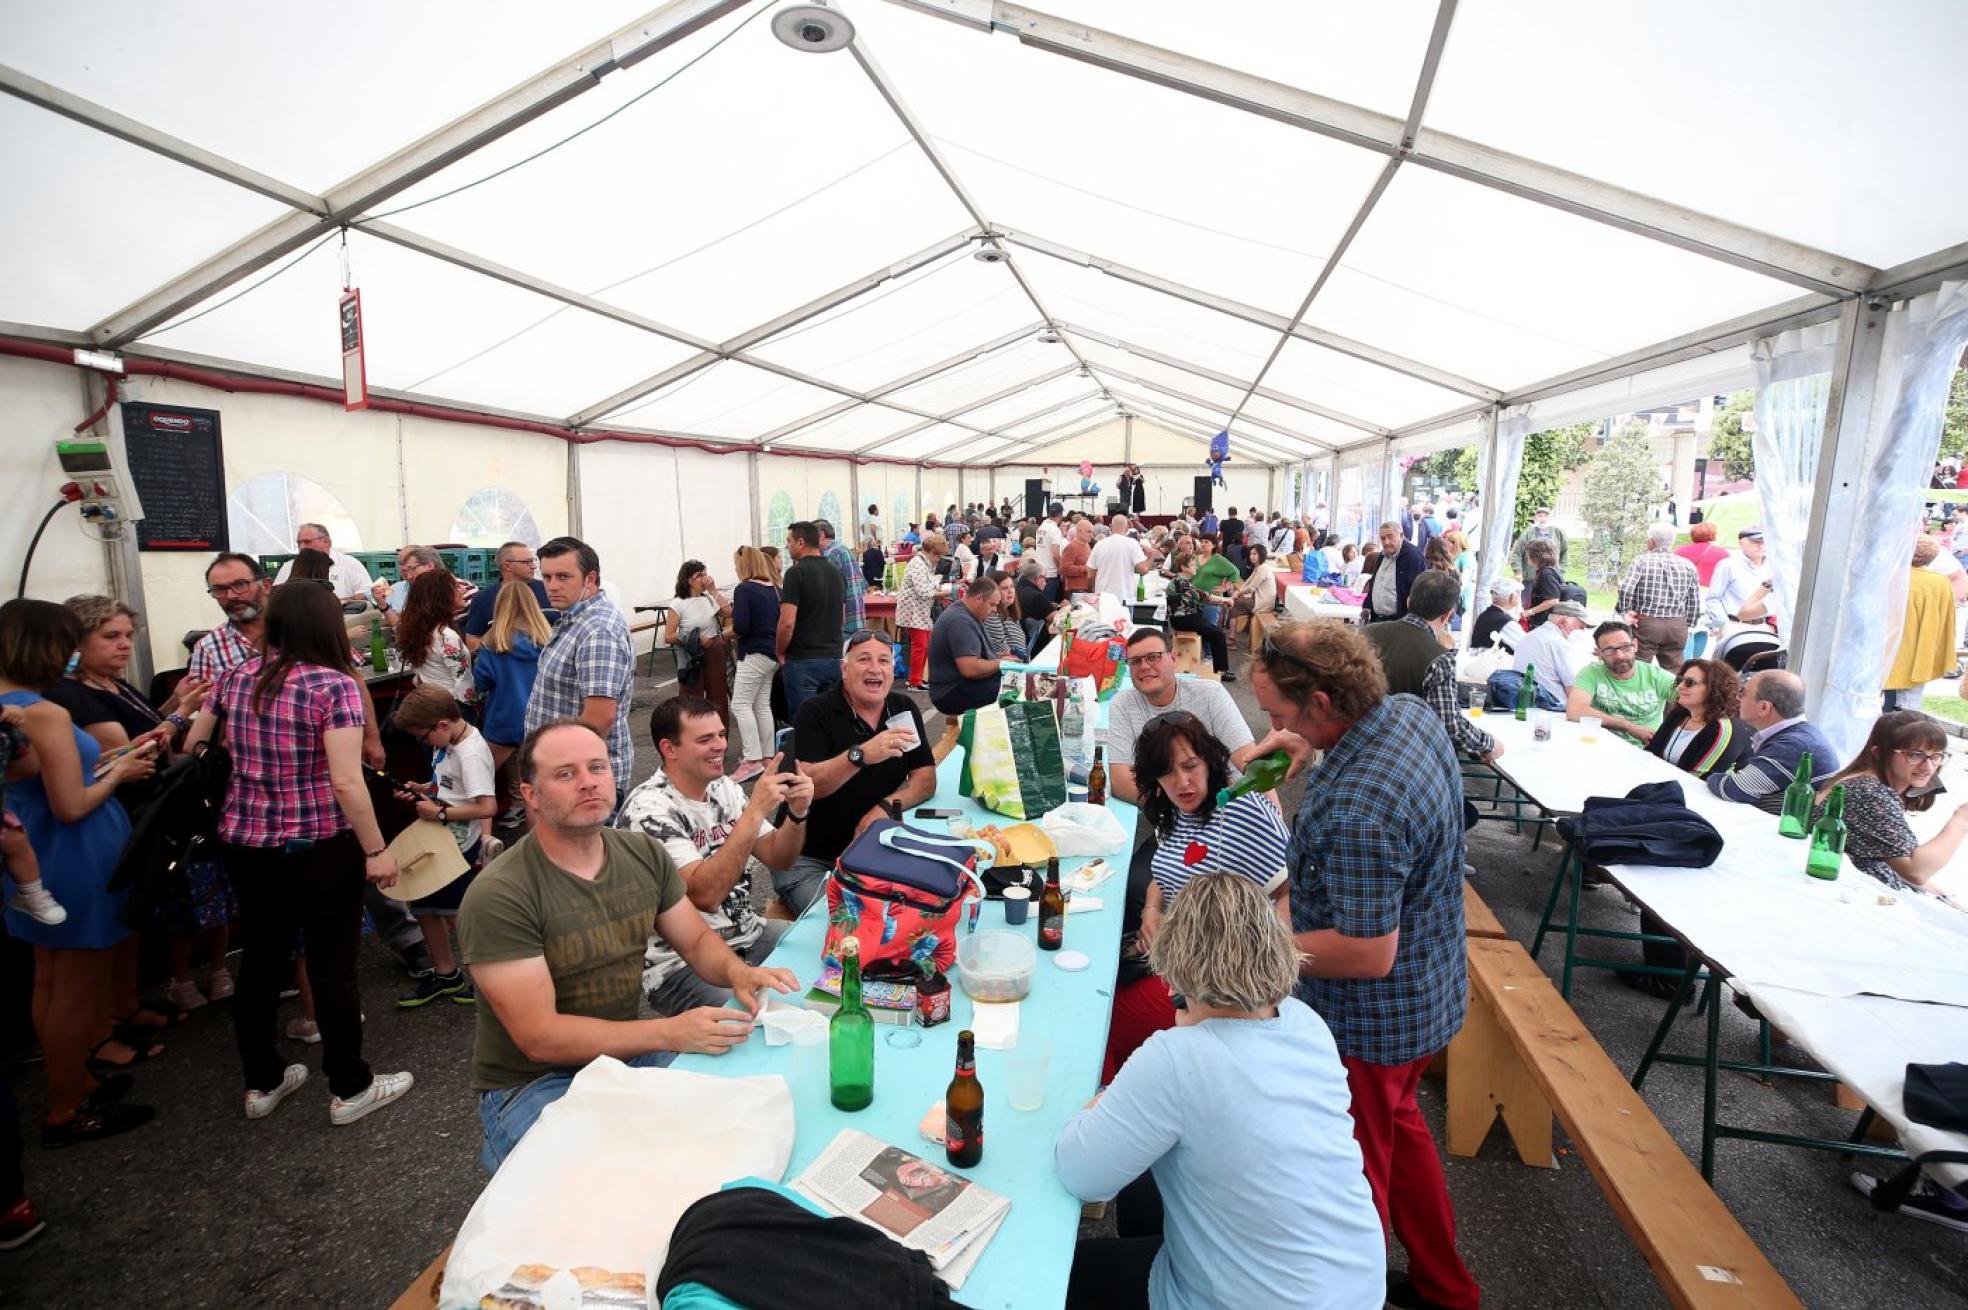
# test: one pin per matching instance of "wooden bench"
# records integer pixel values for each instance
(1478, 920)
(1524, 1055)
(423, 1290)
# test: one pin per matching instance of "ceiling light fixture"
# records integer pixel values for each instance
(812, 28)
(990, 255)
(1048, 338)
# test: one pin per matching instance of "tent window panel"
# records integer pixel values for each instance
(264, 512)
(492, 516)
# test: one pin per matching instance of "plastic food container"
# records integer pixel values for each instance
(996, 966)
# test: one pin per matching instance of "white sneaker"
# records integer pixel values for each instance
(219, 983)
(382, 1089)
(33, 900)
(184, 994)
(261, 1104)
(304, 1029)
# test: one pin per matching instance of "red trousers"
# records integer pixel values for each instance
(1405, 1173)
(1142, 1008)
(918, 654)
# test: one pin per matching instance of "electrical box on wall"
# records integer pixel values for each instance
(93, 471)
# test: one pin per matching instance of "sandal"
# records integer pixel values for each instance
(154, 1015)
(140, 1053)
(93, 1122)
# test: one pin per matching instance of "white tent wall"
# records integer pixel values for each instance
(40, 403)
(893, 487)
(792, 489)
(446, 465)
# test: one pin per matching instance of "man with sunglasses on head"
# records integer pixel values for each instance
(1155, 690)
(863, 745)
(1629, 696)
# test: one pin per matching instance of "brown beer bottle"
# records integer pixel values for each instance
(1052, 909)
(1097, 780)
(963, 1108)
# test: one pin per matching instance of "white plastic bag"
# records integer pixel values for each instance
(1077, 828)
(603, 1176)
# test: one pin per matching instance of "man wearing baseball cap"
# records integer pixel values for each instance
(1736, 577)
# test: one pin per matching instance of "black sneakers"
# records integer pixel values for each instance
(1927, 1201)
(431, 988)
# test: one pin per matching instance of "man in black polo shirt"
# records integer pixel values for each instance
(862, 743)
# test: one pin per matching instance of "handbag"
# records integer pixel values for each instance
(1014, 763)
(900, 892)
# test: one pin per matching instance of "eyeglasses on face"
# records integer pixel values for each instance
(1146, 658)
(221, 590)
(1935, 758)
(1619, 648)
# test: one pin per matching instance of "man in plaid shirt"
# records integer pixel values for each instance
(1661, 598)
(1376, 864)
(854, 612)
(587, 671)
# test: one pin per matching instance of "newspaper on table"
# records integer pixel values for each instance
(922, 1205)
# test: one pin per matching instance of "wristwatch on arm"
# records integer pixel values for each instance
(856, 757)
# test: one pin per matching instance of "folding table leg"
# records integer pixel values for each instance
(1550, 904)
(1709, 1074)
(1575, 864)
(1674, 1009)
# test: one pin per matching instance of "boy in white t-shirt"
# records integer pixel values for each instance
(462, 796)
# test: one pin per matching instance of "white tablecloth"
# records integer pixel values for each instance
(1300, 603)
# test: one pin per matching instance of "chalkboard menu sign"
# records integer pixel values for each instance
(178, 467)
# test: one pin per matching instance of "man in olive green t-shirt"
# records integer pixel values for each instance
(554, 931)
(1629, 696)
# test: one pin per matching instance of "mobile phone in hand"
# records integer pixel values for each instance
(931, 813)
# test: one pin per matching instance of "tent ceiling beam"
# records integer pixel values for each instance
(46, 95)
(812, 309)
(429, 154)
(1066, 431)
(1264, 318)
(1528, 179)
(892, 96)
(1318, 446)
(1198, 434)
(1225, 379)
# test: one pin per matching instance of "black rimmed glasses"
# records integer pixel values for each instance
(224, 589)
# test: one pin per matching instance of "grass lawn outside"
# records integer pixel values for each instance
(1952, 708)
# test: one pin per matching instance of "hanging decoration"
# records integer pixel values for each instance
(355, 367)
(1219, 450)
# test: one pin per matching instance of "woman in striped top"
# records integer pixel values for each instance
(1005, 626)
(1700, 734)
(1180, 766)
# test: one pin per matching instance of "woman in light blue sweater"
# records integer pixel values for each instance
(1229, 1138)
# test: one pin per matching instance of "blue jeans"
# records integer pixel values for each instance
(507, 1112)
(806, 679)
(806, 879)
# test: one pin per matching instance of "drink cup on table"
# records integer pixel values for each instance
(1017, 903)
(1027, 1066)
(1479, 700)
(1540, 726)
(1589, 725)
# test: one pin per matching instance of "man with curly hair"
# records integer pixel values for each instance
(1376, 868)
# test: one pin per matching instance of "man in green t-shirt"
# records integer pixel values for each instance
(1628, 695)
(555, 930)
(1213, 571)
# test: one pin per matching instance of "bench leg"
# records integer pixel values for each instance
(1486, 1078)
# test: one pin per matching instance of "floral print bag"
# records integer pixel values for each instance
(901, 895)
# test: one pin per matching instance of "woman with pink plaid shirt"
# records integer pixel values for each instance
(300, 837)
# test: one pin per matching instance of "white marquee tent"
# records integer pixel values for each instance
(671, 278)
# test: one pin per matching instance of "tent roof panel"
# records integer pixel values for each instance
(985, 376)
(1161, 322)
(75, 247)
(851, 430)
(729, 399)
(1029, 400)
(1091, 159)
(916, 321)
(328, 95)
(1876, 174)
(1354, 386)
(1514, 290)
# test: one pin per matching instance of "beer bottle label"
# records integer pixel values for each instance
(1052, 929)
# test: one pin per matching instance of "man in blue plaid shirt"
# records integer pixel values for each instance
(1376, 863)
(587, 671)
(854, 612)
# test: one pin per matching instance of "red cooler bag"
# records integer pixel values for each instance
(901, 892)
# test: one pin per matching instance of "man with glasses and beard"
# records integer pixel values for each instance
(1155, 690)
(1629, 696)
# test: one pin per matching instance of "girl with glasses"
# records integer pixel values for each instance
(1897, 771)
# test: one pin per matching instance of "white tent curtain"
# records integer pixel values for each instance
(1858, 607)
(1793, 382)
(1498, 465)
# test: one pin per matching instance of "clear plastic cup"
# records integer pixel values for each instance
(807, 1070)
(1027, 1066)
(1479, 701)
(1589, 725)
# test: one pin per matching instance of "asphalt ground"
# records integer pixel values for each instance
(205, 1209)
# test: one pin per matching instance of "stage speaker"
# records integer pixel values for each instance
(1035, 498)
(1114, 507)
(1203, 486)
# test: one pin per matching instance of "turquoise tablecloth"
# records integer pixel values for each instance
(1026, 1264)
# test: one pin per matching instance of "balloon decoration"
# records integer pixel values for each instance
(1219, 450)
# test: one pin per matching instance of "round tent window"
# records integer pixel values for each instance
(492, 516)
(263, 514)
